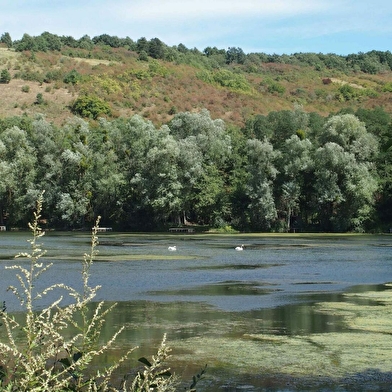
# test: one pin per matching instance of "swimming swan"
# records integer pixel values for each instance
(239, 247)
(172, 248)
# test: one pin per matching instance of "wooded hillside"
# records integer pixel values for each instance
(172, 135)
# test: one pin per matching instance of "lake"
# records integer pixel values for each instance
(288, 313)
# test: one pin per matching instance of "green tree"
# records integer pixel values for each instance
(5, 76)
(235, 55)
(156, 48)
(85, 42)
(205, 147)
(26, 43)
(18, 169)
(90, 106)
(351, 134)
(6, 39)
(52, 41)
(261, 208)
(72, 77)
(294, 163)
(108, 178)
(345, 174)
(379, 123)
(39, 99)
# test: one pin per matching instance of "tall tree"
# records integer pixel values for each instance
(205, 148)
(17, 166)
(345, 174)
(295, 161)
(6, 39)
(261, 208)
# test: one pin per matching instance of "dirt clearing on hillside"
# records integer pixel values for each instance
(19, 97)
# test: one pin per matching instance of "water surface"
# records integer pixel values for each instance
(208, 292)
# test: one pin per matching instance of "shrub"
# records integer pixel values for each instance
(53, 75)
(225, 78)
(72, 77)
(25, 89)
(39, 100)
(90, 106)
(5, 76)
(39, 356)
(273, 87)
(387, 87)
(172, 110)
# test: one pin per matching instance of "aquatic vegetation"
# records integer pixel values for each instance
(363, 352)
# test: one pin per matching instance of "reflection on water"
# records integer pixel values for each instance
(206, 290)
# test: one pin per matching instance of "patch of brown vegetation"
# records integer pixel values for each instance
(15, 102)
(120, 79)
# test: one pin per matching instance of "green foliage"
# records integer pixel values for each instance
(156, 68)
(206, 76)
(143, 56)
(6, 39)
(226, 229)
(72, 77)
(25, 88)
(39, 100)
(301, 134)
(347, 93)
(275, 87)
(387, 87)
(225, 78)
(278, 169)
(91, 107)
(235, 55)
(5, 76)
(53, 75)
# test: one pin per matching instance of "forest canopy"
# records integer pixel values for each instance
(284, 171)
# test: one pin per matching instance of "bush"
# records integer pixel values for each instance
(387, 87)
(39, 357)
(72, 77)
(90, 107)
(5, 76)
(39, 100)
(273, 87)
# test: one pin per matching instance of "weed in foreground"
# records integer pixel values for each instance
(38, 356)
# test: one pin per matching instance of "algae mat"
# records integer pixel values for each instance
(359, 359)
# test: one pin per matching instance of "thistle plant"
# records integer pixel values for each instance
(47, 358)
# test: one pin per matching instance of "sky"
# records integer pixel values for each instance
(263, 26)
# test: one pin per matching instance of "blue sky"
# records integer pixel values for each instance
(269, 26)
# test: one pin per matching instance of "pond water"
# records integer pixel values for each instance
(223, 307)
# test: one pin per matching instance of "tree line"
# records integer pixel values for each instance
(371, 62)
(288, 170)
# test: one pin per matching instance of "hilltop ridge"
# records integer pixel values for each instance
(131, 81)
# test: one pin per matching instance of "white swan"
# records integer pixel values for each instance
(172, 248)
(239, 247)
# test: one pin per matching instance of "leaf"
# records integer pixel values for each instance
(77, 356)
(145, 361)
(65, 361)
